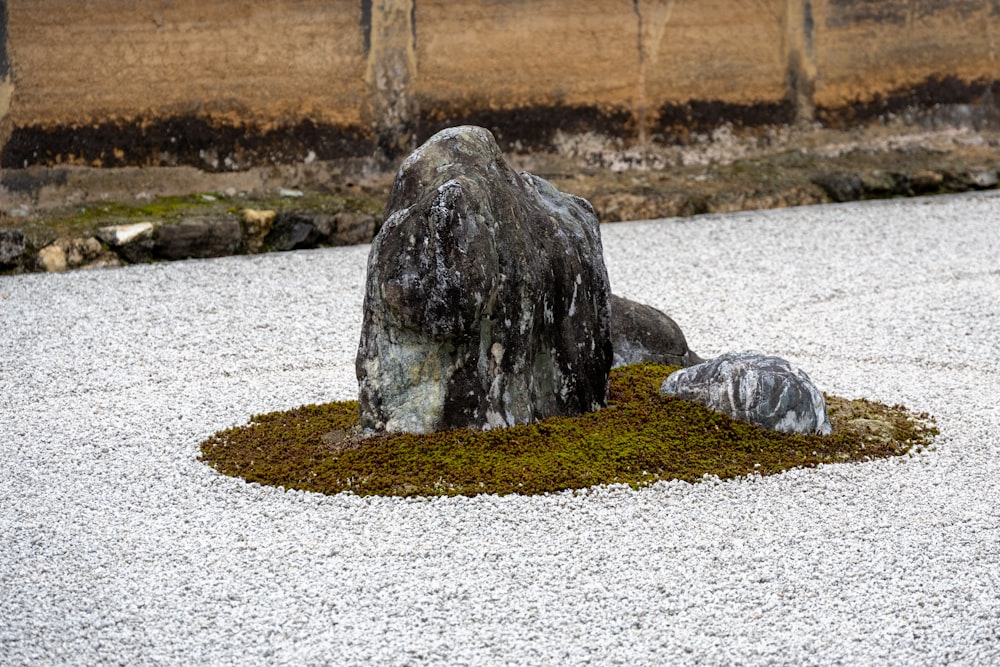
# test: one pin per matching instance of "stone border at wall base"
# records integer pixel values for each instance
(58, 219)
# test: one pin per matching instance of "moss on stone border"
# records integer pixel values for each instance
(640, 438)
(86, 219)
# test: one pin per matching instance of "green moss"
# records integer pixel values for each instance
(85, 220)
(641, 437)
(160, 208)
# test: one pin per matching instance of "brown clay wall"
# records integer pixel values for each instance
(113, 82)
(526, 53)
(865, 50)
(223, 85)
(626, 60)
(714, 50)
(263, 62)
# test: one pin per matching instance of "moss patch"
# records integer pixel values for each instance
(85, 220)
(641, 437)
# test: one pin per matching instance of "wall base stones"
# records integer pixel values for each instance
(75, 253)
(198, 237)
(11, 247)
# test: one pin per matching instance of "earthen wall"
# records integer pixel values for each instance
(227, 84)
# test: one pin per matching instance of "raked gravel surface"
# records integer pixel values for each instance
(117, 546)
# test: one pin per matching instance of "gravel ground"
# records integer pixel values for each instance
(119, 547)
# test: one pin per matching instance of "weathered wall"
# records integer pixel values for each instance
(6, 85)
(223, 85)
(631, 65)
(883, 55)
(118, 81)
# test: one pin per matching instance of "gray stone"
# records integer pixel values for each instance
(133, 243)
(643, 334)
(75, 253)
(487, 301)
(294, 230)
(983, 178)
(840, 187)
(762, 390)
(120, 235)
(353, 228)
(198, 238)
(11, 247)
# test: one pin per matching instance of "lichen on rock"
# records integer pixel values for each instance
(756, 388)
(487, 300)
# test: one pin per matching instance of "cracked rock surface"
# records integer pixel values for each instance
(487, 301)
(756, 388)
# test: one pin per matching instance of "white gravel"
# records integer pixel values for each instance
(118, 547)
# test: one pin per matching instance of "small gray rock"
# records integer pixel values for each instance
(643, 334)
(198, 238)
(840, 187)
(352, 228)
(133, 243)
(11, 247)
(983, 178)
(120, 235)
(762, 390)
(294, 230)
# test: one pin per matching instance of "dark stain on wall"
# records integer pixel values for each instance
(4, 58)
(528, 128)
(933, 93)
(808, 26)
(677, 120)
(366, 24)
(183, 140)
(844, 13)
(30, 181)
(964, 8)
(199, 142)
(638, 16)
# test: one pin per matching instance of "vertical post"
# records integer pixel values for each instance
(801, 58)
(6, 79)
(390, 40)
(652, 17)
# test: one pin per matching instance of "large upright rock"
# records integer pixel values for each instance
(487, 300)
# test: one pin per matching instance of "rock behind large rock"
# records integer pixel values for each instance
(643, 334)
(763, 390)
(487, 301)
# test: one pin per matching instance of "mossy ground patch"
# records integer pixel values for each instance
(640, 438)
(85, 220)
